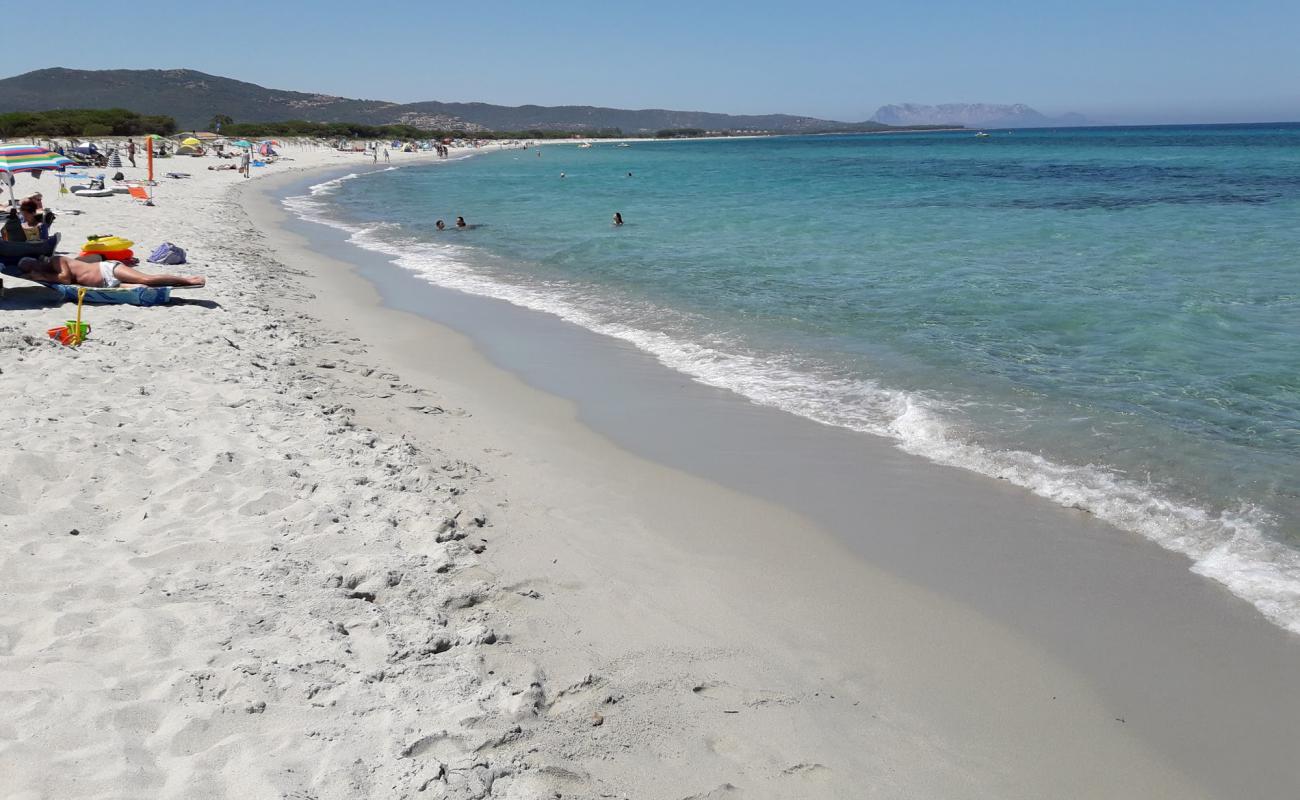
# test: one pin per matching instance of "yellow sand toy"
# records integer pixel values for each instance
(105, 244)
(75, 331)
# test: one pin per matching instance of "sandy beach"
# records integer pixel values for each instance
(287, 538)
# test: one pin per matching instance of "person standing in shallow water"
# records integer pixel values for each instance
(618, 218)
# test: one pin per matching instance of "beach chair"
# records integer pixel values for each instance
(139, 193)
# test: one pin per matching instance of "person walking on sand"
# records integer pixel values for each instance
(387, 160)
(97, 274)
(243, 163)
(130, 151)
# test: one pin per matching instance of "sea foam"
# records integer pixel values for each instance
(1229, 547)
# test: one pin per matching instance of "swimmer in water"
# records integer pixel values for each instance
(460, 222)
(440, 225)
(618, 218)
(561, 174)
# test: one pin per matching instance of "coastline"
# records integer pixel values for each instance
(1079, 618)
(729, 644)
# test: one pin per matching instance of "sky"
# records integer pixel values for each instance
(1121, 62)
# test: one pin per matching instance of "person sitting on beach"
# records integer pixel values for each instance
(36, 219)
(460, 222)
(618, 218)
(96, 274)
(440, 225)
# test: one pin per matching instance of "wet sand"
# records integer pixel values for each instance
(1169, 658)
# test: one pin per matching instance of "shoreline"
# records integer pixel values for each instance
(1234, 548)
(1235, 625)
(311, 525)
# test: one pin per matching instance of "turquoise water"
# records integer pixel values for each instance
(1109, 317)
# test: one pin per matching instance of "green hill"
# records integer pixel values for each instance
(193, 98)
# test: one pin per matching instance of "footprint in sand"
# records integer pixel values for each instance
(735, 697)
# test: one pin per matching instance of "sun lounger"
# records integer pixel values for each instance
(139, 193)
(12, 252)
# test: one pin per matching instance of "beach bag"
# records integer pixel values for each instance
(167, 253)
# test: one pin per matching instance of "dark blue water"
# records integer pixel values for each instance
(1110, 317)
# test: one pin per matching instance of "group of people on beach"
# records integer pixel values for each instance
(27, 252)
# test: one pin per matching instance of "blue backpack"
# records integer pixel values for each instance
(167, 253)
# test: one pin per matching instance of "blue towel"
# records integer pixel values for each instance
(131, 296)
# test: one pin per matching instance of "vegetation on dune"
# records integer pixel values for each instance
(83, 122)
(357, 130)
(87, 122)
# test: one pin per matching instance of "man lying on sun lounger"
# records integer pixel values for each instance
(97, 274)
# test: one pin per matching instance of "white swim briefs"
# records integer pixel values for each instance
(106, 270)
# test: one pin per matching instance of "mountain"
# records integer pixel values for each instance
(193, 98)
(972, 115)
(484, 116)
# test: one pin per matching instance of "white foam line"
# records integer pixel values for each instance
(1230, 548)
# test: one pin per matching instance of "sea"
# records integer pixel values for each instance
(1108, 317)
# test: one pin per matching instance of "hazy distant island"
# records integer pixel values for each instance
(194, 99)
(972, 115)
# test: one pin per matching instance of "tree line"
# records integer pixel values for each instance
(83, 122)
(89, 122)
(357, 130)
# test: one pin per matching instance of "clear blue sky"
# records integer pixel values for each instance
(1134, 61)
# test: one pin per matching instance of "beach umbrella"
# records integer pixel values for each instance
(191, 142)
(243, 143)
(114, 159)
(15, 158)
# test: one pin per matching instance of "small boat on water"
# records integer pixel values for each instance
(980, 134)
(624, 144)
(584, 145)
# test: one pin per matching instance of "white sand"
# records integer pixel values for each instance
(243, 547)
